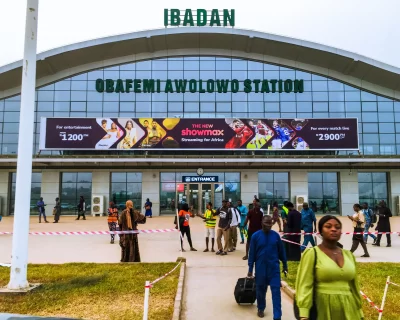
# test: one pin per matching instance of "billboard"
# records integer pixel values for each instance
(198, 134)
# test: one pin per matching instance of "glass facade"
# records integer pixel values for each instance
(36, 187)
(373, 187)
(323, 192)
(126, 186)
(379, 117)
(273, 186)
(74, 185)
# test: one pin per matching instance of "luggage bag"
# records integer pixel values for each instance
(245, 291)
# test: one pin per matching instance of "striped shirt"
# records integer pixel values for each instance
(209, 215)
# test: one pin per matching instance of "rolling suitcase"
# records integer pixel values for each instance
(245, 291)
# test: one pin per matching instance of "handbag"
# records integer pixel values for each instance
(313, 311)
(54, 211)
(358, 228)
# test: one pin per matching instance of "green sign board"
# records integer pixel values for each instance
(201, 86)
(199, 18)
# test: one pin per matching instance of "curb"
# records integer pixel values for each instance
(288, 290)
(179, 293)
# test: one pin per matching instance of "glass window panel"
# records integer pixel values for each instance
(320, 85)
(336, 95)
(315, 177)
(143, 65)
(335, 86)
(167, 177)
(62, 95)
(385, 117)
(385, 106)
(175, 64)
(232, 177)
(252, 65)
(45, 95)
(118, 177)
(11, 116)
(63, 85)
(320, 96)
(386, 127)
(78, 106)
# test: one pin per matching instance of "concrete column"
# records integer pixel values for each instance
(394, 191)
(50, 189)
(249, 186)
(101, 187)
(4, 189)
(298, 184)
(348, 191)
(151, 190)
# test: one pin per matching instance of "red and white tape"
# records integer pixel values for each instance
(317, 233)
(395, 284)
(283, 239)
(89, 233)
(371, 303)
(150, 285)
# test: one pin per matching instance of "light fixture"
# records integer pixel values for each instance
(245, 176)
(154, 175)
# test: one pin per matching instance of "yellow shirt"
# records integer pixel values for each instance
(209, 215)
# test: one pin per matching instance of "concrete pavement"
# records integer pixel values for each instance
(210, 279)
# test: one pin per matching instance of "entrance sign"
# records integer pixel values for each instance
(198, 134)
(189, 179)
(199, 18)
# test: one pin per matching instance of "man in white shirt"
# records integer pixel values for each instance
(301, 144)
(234, 224)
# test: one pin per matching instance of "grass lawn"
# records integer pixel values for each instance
(94, 291)
(372, 281)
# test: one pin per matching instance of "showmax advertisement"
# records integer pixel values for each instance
(198, 134)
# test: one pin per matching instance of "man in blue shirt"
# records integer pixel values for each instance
(243, 214)
(40, 204)
(307, 221)
(368, 222)
(266, 249)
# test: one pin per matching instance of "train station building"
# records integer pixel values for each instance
(213, 82)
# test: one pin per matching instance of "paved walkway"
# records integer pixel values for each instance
(210, 279)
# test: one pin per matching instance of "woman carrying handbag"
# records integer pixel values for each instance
(358, 219)
(327, 286)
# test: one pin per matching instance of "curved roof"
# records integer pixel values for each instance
(347, 67)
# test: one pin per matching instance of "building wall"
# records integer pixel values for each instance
(394, 182)
(348, 191)
(298, 184)
(50, 188)
(101, 186)
(249, 185)
(4, 190)
(151, 190)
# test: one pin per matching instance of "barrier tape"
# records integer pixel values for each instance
(395, 284)
(283, 239)
(162, 277)
(88, 233)
(371, 303)
(351, 233)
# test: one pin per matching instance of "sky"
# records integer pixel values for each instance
(367, 27)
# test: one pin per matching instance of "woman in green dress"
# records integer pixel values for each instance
(337, 291)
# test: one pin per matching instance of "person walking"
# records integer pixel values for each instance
(327, 277)
(307, 221)
(266, 250)
(210, 221)
(243, 214)
(233, 230)
(358, 219)
(184, 216)
(81, 208)
(57, 210)
(293, 226)
(224, 223)
(370, 218)
(128, 221)
(275, 216)
(148, 207)
(383, 224)
(112, 219)
(254, 218)
(42, 211)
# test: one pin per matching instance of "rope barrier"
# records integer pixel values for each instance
(371, 303)
(150, 285)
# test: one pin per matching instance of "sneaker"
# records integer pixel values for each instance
(365, 256)
(389, 245)
(234, 249)
(231, 250)
(260, 314)
(192, 249)
(206, 250)
(212, 250)
(219, 252)
(245, 257)
(224, 253)
(376, 244)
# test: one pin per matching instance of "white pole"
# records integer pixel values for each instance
(384, 298)
(268, 210)
(19, 259)
(179, 231)
(146, 300)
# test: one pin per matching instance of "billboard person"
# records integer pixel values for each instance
(155, 134)
(130, 136)
(266, 250)
(301, 144)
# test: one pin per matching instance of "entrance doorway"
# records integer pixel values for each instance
(197, 195)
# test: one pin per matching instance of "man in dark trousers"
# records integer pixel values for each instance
(266, 249)
(254, 217)
(224, 225)
(293, 226)
(42, 211)
(383, 224)
(81, 208)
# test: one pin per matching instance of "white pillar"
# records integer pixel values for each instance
(101, 186)
(19, 259)
(348, 191)
(50, 189)
(394, 190)
(151, 190)
(249, 186)
(298, 184)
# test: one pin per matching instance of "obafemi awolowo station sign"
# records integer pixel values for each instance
(199, 18)
(201, 86)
